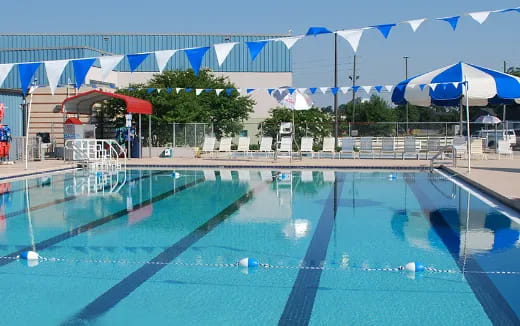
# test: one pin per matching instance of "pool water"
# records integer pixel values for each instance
(157, 247)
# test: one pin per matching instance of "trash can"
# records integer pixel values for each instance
(168, 152)
(135, 148)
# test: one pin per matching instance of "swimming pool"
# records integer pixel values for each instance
(158, 247)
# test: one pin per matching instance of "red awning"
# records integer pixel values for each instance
(73, 121)
(83, 102)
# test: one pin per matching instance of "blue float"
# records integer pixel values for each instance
(248, 262)
(29, 255)
(392, 177)
(414, 267)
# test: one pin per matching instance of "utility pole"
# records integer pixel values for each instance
(354, 77)
(406, 77)
(336, 85)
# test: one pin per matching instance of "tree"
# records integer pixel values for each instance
(515, 71)
(225, 112)
(368, 114)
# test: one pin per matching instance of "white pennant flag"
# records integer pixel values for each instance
(222, 50)
(480, 16)
(218, 91)
(54, 70)
(324, 89)
(289, 41)
(198, 91)
(412, 86)
(108, 63)
(344, 90)
(158, 90)
(4, 71)
(389, 88)
(162, 58)
(433, 86)
(367, 89)
(455, 84)
(352, 37)
(178, 90)
(302, 90)
(414, 24)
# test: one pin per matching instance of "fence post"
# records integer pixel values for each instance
(195, 134)
(173, 134)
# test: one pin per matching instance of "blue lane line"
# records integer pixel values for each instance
(298, 307)
(35, 173)
(496, 307)
(7, 259)
(125, 287)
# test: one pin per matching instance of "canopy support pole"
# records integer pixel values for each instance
(150, 136)
(140, 137)
(31, 91)
(467, 125)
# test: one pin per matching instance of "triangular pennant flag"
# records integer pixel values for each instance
(378, 88)
(150, 90)
(302, 90)
(169, 90)
(367, 89)
(355, 88)
(455, 84)
(81, 68)
(291, 90)
(334, 90)
(54, 70)
(389, 88)
(195, 57)
(218, 91)
(255, 48)
(324, 89)
(352, 37)
(108, 63)
(290, 41)
(177, 90)
(187, 90)
(27, 71)
(480, 16)
(422, 86)
(229, 91)
(249, 90)
(208, 90)
(198, 91)
(136, 59)
(158, 90)
(270, 91)
(162, 58)
(384, 29)
(239, 90)
(345, 90)
(451, 20)
(433, 86)
(400, 87)
(222, 50)
(317, 30)
(313, 90)
(444, 86)
(5, 69)
(415, 23)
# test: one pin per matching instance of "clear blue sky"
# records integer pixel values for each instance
(380, 61)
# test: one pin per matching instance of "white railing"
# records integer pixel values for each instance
(96, 154)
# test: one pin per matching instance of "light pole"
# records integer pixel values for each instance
(354, 78)
(406, 77)
(336, 85)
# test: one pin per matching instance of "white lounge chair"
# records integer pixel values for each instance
(366, 147)
(460, 145)
(266, 146)
(328, 147)
(410, 147)
(209, 146)
(504, 148)
(347, 147)
(243, 146)
(388, 147)
(477, 148)
(225, 145)
(285, 145)
(306, 146)
(433, 147)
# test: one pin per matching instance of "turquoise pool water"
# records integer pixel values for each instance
(152, 247)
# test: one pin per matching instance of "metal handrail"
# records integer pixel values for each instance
(443, 150)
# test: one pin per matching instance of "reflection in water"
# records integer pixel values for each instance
(5, 199)
(95, 183)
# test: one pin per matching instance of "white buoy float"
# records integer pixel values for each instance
(248, 262)
(176, 175)
(414, 267)
(29, 255)
(392, 177)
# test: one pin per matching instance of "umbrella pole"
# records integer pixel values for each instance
(467, 125)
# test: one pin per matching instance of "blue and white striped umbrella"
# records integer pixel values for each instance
(445, 87)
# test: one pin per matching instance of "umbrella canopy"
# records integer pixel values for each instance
(488, 119)
(294, 101)
(445, 87)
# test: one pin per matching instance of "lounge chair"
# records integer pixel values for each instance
(504, 148)
(225, 145)
(388, 147)
(285, 145)
(410, 147)
(328, 147)
(433, 147)
(306, 146)
(266, 146)
(347, 147)
(209, 146)
(243, 146)
(477, 148)
(460, 145)
(366, 147)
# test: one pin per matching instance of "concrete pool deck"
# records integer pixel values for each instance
(500, 178)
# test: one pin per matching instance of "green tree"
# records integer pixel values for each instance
(225, 112)
(515, 71)
(369, 116)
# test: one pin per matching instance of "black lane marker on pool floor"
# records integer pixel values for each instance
(94, 224)
(496, 307)
(298, 307)
(125, 287)
(66, 199)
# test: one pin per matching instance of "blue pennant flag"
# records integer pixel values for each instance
(207, 90)
(355, 88)
(384, 29)
(291, 90)
(334, 90)
(168, 90)
(187, 90)
(270, 91)
(112, 85)
(378, 88)
(150, 90)
(94, 86)
(422, 86)
(249, 90)
(255, 48)
(81, 68)
(313, 90)
(400, 87)
(451, 20)
(195, 57)
(136, 59)
(229, 91)
(317, 30)
(27, 71)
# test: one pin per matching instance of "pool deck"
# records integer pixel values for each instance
(499, 178)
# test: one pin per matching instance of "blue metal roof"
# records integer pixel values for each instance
(29, 48)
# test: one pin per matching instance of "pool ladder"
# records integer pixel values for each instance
(446, 149)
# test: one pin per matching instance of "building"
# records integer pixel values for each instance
(272, 68)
